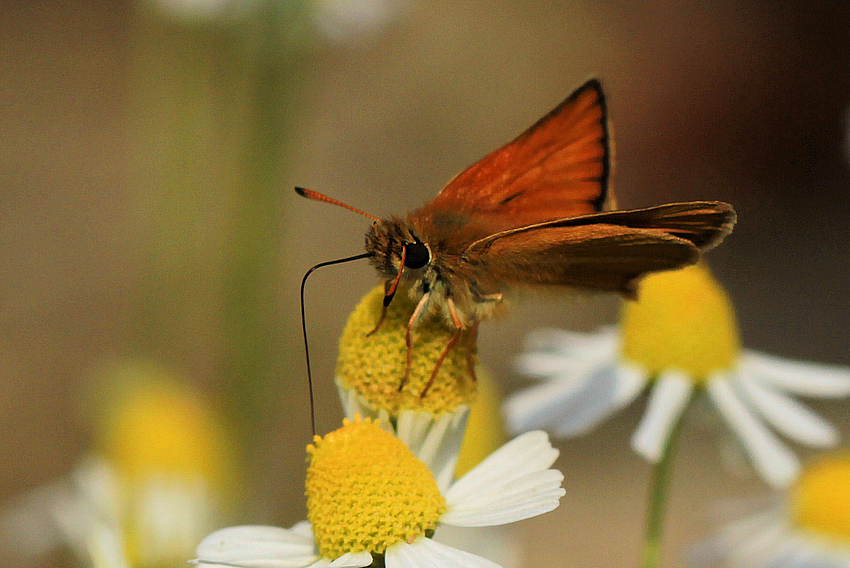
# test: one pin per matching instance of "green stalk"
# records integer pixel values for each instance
(272, 64)
(657, 504)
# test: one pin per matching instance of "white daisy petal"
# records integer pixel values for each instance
(434, 440)
(630, 381)
(539, 406)
(514, 483)
(526, 497)
(789, 416)
(427, 553)
(353, 404)
(774, 462)
(524, 454)
(257, 547)
(567, 407)
(791, 554)
(542, 365)
(808, 379)
(760, 546)
(545, 365)
(771, 537)
(667, 401)
(601, 343)
(601, 395)
(585, 383)
(106, 547)
(303, 528)
(714, 550)
(501, 544)
(98, 485)
(352, 560)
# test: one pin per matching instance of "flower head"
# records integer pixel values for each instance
(337, 21)
(679, 337)
(807, 527)
(366, 490)
(820, 500)
(155, 483)
(683, 320)
(154, 424)
(372, 365)
(369, 496)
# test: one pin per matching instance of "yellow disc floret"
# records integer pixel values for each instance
(485, 432)
(821, 498)
(366, 491)
(683, 320)
(161, 438)
(159, 427)
(374, 364)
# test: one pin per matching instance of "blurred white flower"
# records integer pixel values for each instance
(158, 482)
(680, 337)
(339, 21)
(204, 10)
(345, 20)
(806, 527)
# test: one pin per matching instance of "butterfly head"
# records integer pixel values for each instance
(394, 247)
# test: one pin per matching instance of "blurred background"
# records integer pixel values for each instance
(148, 155)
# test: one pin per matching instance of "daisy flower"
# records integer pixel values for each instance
(153, 487)
(370, 369)
(806, 527)
(338, 21)
(681, 337)
(370, 499)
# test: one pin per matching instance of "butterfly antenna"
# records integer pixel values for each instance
(304, 329)
(316, 196)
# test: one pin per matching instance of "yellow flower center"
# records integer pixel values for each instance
(374, 365)
(366, 491)
(683, 320)
(161, 437)
(160, 428)
(821, 498)
(485, 432)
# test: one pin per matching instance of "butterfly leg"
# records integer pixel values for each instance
(452, 342)
(408, 338)
(490, 297)
(387, 285)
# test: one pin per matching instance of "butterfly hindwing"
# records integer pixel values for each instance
(604, 251)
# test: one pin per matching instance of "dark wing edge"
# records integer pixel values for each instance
(484, 173)
(606, 251)
(703, 223)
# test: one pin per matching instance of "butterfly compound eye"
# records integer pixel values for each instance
(416, 255)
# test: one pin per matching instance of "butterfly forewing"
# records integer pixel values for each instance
(557, 168)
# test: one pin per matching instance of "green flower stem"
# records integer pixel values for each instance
(657, 504)
(213, 112)
(271, 64)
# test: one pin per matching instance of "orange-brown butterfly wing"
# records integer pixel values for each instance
(604, 251)
(557, 168)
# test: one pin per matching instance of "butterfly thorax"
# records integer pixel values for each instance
(448, 273)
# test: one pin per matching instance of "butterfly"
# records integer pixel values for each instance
(533, 214)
